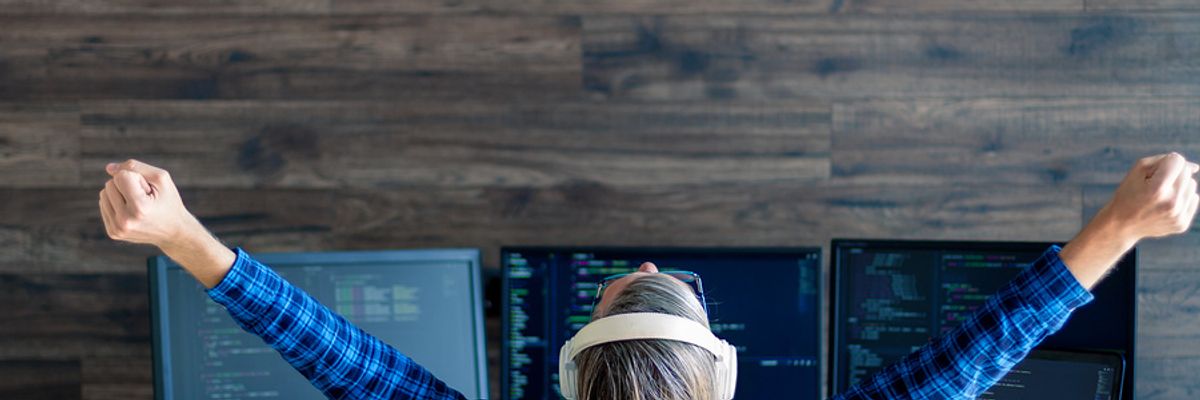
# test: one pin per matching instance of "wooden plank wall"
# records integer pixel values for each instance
(366, 124)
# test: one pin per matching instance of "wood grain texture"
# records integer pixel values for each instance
(570, 214)
(114, 378)
(526, 7)
(895, 56)
(164, 7)
(309, 125)
(459, 144)
(39, 145)
(39, 379)
(366, 57)
(690, 7)
(71, 316)
(1111, 6)
(1025, 141)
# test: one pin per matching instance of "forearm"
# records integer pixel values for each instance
(337, 357)
(967, 360)
(200, 253)
(1097, 248)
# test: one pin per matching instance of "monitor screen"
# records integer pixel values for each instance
(1055, 375)
(426, 303)
(890, 297)
(765, 302)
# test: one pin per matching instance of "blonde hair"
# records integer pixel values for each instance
(650, 368)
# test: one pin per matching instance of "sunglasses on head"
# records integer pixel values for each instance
(692, 279)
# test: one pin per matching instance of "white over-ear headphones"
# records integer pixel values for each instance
(648, 326)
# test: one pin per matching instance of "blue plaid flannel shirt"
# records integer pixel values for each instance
(346, 363)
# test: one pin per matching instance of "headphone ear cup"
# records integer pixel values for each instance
(566, 372)
(726, 371)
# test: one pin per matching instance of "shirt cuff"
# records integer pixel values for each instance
(1048, 282)
(232, 288)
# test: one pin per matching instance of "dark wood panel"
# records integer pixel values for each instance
(118, 392)
(118, 378)
(364, 57)
(69, 316)
(63, 233)
(905, 56)
(39, 379)
(1007, 141)
(39, 145)
(376, 144)
(164, 7)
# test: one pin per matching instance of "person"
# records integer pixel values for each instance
(140, 204)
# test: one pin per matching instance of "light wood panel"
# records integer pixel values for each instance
(460, 144)
(1024, 141)
(59, 231)
(1111, 6)
(39, 145)
(366, 57)
(895, 56)
(109, 7)
(528, 7)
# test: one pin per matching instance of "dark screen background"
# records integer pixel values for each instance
(890, 298)
(424, 309)
(766, 304)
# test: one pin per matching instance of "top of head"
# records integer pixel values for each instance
(636, 326)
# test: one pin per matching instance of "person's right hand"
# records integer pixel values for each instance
(141, 205)
(1157, 198)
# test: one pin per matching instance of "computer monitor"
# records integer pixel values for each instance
(890, 297)
(766, 302)
(425, 303)
(1057, 375)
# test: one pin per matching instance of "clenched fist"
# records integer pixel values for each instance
(1157, 198)
(141, 205)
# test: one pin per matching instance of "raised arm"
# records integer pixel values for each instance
(1157, 198)
(140, 204)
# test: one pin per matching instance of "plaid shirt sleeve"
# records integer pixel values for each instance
(341, 360)
(968, 360)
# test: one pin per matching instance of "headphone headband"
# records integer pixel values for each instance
(641, 326)
(636, 326)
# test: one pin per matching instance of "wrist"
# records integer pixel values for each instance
(1108, 228)
(190, 235)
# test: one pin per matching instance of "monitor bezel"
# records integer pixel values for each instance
(771, 250)
(1128, 261)
(158, 266)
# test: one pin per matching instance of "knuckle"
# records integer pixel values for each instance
(124, 227)
(137, 214)
(1164, 207)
